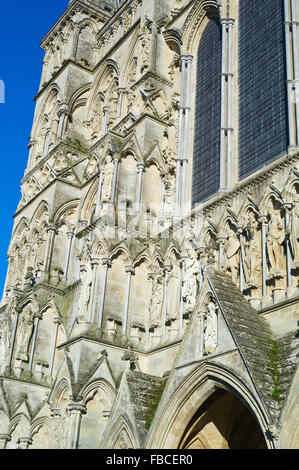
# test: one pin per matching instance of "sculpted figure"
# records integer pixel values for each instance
(108, 179)
(293, 230)
(24, 333)
(231, 252)
(210, 329)
(86, 291)
(113, 102)
(169, 184)
(252, 253)
(275, 238)
(190, 280)
(156, 301)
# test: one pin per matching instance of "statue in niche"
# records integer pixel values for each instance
(231, 255)
(20, 268)
(145, 48)
(167, 152)
(252, 253)
(173, 300)
(169, 185)
(156, 301)
(6, 327)
(86, 290)
(190, 280)
(24, 333)
(210, 328)
(41, 137)
(108, 179)
(113, 102)
(293, 230)
(275, 241)
(96, 119)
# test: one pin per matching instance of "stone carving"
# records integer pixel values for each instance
(24, 333)
(190, 280)
(96, 118)
(85, 290)
(252, 258)
(210, 328)
(156, 301)
(113, 99)
(169, 185)
(107, 179)
(275, 240)
(231, 255)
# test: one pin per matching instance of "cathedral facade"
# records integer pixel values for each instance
(151, 299)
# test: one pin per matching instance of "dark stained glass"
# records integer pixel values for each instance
(263, 129)
(206, 157)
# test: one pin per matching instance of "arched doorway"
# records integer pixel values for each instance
(223, 422)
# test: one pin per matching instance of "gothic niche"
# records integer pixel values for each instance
(24, 333)
(252, 259)
(210, 329)
(276, 245)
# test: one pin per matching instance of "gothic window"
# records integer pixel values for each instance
(263, 130)
(206, 158)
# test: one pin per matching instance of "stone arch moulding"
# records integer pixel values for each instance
(113, 436)
(174, 413)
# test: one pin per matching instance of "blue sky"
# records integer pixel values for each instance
(23, 26)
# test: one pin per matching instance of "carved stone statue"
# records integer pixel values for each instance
(108, 180)
(275, 240)
(24, 333)
(85, 291)
(210, 329)
(169, 185)
(156, 301)
(231, 255)
(190, 281)
(252, 253)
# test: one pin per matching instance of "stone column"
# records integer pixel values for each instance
(181, 324)
(287, 207)
(70, 236)
(76, 411)
(52, 231)
(296, 64)
(150, 277)
(99, 195)
(263, 220)
(94, 264)
(62, 114)
(140, 171)
(189, 60)
(4, 439)
(107, 263)
(180, 138)
(241, 273)
(230, 23)
(167, 268)
(57, 322)
(289, 63)
(13, 339)
(37, 317)
(223, 125)
(114, 183)
(130, 270)
(120, 102)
